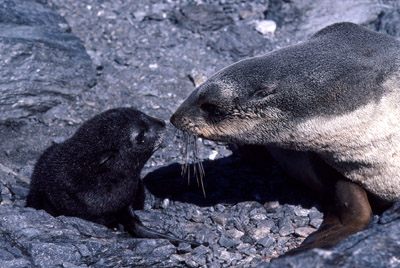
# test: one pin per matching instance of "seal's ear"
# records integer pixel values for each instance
(106, 157)
(264, 92)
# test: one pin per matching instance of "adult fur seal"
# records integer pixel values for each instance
(95, 175)
(327, 109)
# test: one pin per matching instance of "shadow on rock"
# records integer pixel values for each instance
(249, 174)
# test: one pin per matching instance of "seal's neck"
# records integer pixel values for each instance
(365, 135)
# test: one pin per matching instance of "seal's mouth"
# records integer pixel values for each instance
(160, 142)
(189, 126)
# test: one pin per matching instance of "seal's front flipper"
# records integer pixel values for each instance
(351, 213)
(135, 228)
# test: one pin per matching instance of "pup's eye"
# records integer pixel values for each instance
(140, 138)
(212, 109)
(262, 93)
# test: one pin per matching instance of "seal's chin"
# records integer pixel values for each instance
(160, 142)
(209, 134)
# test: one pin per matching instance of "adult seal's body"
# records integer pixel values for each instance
(327, 109)
(95, 175)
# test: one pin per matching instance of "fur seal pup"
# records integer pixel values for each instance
(327, 109)
(95, 175)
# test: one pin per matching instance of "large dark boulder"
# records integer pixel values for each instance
(43, 65)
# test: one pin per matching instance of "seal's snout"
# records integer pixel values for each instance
(156, 133)
(176, 118)
(147, 132)
(156, 129)
(160, 124)
(173, 119)
(155, 124)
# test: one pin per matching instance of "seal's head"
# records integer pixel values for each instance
(263, 100)
(116, 139)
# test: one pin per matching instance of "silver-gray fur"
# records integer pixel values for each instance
(336, 96)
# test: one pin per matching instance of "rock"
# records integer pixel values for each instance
(239, 41)
(389, 22)
(301, 212)
(304, 231)
(226, 242)
(285, 227)
(234, 234)
(184, 248)
(43, 65)
(49, 241)
(219, 219)
(139, 15)
(375, 247)
(307, 17)
(247, 239)
(285, 14)
(266, 241)
(315, 218)
(266, 27)
(260, 232)
(271, 207)
(316, 222)
(197, 79)
(201, 17)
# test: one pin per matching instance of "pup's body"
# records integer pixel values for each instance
(328, 110)
(95, 175)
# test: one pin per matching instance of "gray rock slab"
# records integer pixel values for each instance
(43, 65)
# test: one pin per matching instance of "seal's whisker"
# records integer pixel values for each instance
(201, 174)
(201, 168)
(194, 157)
(198, 166)
(186, 156)
(196, 174)
(190, 154)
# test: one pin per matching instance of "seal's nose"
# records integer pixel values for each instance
(161, 123)
(156, 123)
(158, 126)
(173, 119)
(176, 118)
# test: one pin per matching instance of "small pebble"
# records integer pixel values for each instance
(266, 28)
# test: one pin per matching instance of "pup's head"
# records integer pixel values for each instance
(117, 141)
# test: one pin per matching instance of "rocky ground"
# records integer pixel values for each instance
(64, 60)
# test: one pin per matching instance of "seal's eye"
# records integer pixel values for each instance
(262, 93)
(212, 109)
(140, 138)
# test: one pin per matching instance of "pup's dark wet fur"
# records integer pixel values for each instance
(95, 175)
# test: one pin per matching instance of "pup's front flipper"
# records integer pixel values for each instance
(135, 228)
(350, 214)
